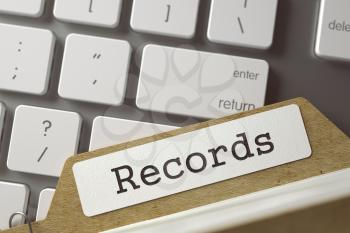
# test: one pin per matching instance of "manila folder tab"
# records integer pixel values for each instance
(330, 152)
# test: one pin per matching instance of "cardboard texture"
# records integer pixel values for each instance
(331, 152)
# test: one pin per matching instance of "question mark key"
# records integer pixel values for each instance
(42, 139)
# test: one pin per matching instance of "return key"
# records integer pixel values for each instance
(199, 84)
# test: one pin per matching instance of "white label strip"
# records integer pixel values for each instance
(191, 160)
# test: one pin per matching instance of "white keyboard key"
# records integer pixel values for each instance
(32, 8)
(333, 33)
(42, 139)
(13, 198)
(44, 204)
(175, 18)
(200, 84)
(93, 12)
(26, 57)
(94, 69)
(108, 131)
(248, 23)
(2, 117)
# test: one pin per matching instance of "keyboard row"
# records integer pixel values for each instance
(96, 69)
(252, 21)
(42, 139)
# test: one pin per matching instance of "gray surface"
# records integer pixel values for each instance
(294, 71)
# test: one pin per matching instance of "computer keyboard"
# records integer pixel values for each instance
(83, 74)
